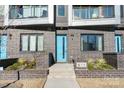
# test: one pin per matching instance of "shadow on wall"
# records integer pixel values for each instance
(7, 62)
(51, 59)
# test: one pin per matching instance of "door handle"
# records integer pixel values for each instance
(63, 47)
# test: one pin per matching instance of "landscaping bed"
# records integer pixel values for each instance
(101, 82)
(25, 83)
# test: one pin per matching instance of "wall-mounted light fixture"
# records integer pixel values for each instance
(10, 36)
(72, 35)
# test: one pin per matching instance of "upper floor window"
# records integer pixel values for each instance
(1, 10)
(91, 42)
(28, 11)
(60, 10)
(122, 11)
(92, 12)
(108, 11)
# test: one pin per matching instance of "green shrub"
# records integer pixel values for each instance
(99, 64)
(22, 64)
(31, 64)
(15, 66)
(21, 61)
(90, 66)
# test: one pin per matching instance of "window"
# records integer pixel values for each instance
(1, 10)
(28, 11)
(24, 40)
(122, 11)
(40, 43)
(61, 10)
(92, 12)
(32, 42)
(108, 11)
(91, 42)
(85, 12)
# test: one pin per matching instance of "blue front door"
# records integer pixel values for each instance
(61, 48)
(3, 46)
(118, 44)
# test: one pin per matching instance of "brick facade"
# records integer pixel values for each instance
(8, 75)
(100, 74)
(74, 49)
(24, 74)
(42, 58)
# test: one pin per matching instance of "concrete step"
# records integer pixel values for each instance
(59, 76)
(63, 74)
(61, 71)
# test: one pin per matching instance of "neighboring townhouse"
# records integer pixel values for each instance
(68, 33)
(27, 32)
(90, 31)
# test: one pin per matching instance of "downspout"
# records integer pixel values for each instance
(55, 33)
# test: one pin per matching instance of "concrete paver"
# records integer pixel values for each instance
(61, 76)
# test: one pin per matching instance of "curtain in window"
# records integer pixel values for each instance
(94, 12)
(27, 11)
(32, 43)
(37, 11)
(24, 43)
(40, 43)
(99, 43)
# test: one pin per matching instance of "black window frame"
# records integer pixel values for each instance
(32, 6)
(107, 6)
(102, 35)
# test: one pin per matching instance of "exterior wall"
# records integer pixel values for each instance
(62, 21)
(74, 49)
(1, 15)
(1, 20)
(74, 44)
(120, 60)
(100, 74)
(112, 59)
(29, 21)
(24, 74)
(102, 21)
(42, 58)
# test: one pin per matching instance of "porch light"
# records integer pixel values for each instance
(10, 36)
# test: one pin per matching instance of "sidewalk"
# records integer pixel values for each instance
(61, 76)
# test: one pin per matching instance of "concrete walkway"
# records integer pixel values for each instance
(61, 75)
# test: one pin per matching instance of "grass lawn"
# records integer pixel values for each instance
(26, 83)
(101, 82)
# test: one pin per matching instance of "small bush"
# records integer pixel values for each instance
(91, 64)
(31, 64)
(22, 64)
(21, 61)
(99, 64)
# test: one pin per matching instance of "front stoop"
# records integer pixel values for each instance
(61, 76)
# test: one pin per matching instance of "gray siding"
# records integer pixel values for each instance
(1, 15)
